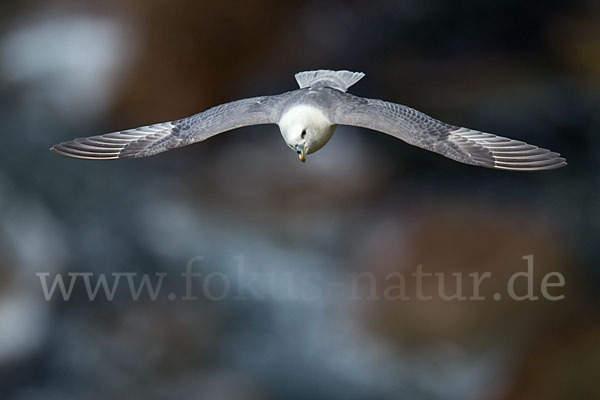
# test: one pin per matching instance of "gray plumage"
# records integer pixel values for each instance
(153, 139)
(323, 91)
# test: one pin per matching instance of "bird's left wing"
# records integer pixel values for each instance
(154, 139)
(461, 144)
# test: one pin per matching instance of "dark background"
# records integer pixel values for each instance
(365, 203)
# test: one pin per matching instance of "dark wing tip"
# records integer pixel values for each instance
(492, 151)
(86, 149)
(130, 143)
(545, 162)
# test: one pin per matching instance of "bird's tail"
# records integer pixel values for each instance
(341, 80)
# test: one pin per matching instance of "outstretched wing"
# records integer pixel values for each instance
(153, 139)
(461, 144)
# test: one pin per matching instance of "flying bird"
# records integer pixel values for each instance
(307, 118)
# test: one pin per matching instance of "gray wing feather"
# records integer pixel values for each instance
(461, 144)
(154, 139)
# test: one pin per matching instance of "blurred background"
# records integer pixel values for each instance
(366, 203)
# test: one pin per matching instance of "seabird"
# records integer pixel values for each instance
(307, 118)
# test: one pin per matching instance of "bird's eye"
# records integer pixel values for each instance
(303, 133)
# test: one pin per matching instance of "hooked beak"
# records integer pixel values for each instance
(301, 150)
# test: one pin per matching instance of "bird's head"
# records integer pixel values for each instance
(305, 130)
(299, 138)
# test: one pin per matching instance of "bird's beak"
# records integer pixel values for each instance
(301, 150)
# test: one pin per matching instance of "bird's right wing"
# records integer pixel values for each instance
(154, 139)
(461, 144)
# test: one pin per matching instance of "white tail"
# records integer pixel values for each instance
(341, 80)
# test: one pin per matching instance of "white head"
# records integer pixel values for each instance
(305, 129)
